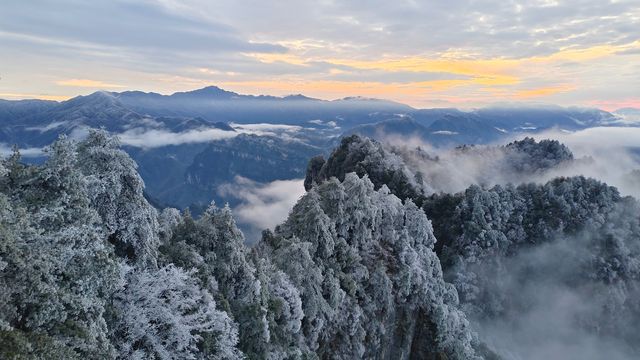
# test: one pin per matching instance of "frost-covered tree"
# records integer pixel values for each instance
(168, 220)
(365, 157)
(281, 305)
(89, 269)
(371, 285)
(64, 290)
(413, 172)
(57, 270)
(258, 297)
(569, 237)
(505, 246)
(116, 192)
(164, 314)
(528, 156)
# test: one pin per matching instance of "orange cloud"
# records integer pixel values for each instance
(17, 96)
(490, 73)
(87, 83)
(586, 54)
(496, 69)
(550, 90)
(493, 72)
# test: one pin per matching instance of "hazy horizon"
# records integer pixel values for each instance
(461, 107)
(425, 54)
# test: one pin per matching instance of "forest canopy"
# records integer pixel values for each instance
(372, 262)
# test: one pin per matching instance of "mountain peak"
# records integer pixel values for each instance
(207, 92)
(298, 97)
(98, 97)
(100, 94)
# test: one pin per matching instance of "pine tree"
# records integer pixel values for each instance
(164, 314)
(116, 192)
(361, 301)
(59, 262)
(263, 303)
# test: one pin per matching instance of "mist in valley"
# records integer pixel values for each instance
(554, 298)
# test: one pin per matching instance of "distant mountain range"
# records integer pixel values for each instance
(451, 127)
(188, 143)
(38, 122)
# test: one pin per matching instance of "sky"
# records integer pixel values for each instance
(454, 53)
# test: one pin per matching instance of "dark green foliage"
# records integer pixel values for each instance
(313, 171)
(19, 345)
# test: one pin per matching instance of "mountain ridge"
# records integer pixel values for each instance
(165, 134)
(216, 91)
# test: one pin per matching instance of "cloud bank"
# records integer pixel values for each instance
(6, 150)
(144, 138)
(262, 205)
(615, 152)
(609, 154)
(153, 138)
(552, 320)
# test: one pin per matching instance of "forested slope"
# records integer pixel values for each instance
(537, 265)
(88, 269)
